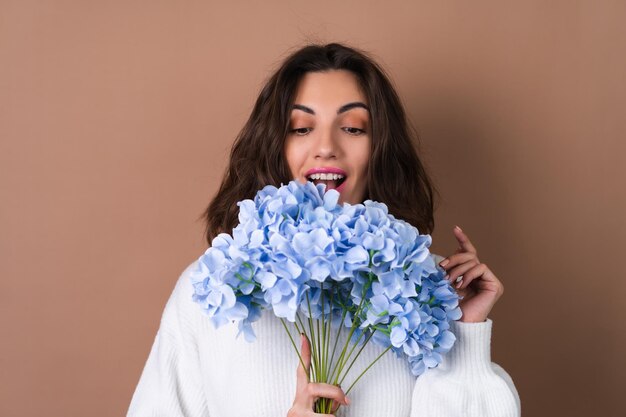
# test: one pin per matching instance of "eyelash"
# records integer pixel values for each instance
(357, 132)
(298, 131)
(302, 131)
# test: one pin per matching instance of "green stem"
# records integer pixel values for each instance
(369, 337)
(316, 362)
(345, 347)
(329, 363)
(247, 281)
(311, 369)
(366, 369)
(301, 323)
(347, 358)
(320, 335)
(340, 361)
(297, 328)
(332, 356)
(294, 345)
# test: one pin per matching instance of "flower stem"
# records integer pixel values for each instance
(332, 356)
(366, 369)
(312, 368)
(340, 361)
(314, 354)
(354, 345)
(369, 337)
(327, 334)
(293, 343)
(320, 336)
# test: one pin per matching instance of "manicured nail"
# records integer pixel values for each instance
(458, 228)
(444, 263)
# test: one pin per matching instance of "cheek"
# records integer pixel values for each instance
(363, 157)
(294, 157)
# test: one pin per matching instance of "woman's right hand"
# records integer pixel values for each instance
(308, 392)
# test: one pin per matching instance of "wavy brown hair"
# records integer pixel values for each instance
(396, 176)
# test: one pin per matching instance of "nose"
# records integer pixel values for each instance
(326, 146)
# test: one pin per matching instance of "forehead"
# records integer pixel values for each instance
(334, 87)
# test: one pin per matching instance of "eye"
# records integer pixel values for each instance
(301, 131)
(354, 131)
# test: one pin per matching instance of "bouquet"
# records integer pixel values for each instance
(323, 268)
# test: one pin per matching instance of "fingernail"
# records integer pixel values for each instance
(458, 228)
(444, 263)
(347, 400)
(459, 284)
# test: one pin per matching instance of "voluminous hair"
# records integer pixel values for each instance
(396, 176)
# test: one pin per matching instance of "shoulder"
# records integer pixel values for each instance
(184, 283)
(183, 289)
(180, 309)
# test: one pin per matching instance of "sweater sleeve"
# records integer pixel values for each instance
(467, 383)
(171, 383)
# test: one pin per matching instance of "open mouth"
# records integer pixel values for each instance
(332, 181)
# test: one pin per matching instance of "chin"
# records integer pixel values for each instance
(350, 200)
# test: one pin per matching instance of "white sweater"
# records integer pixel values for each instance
(197, 370)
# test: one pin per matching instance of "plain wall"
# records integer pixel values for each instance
(116, 120)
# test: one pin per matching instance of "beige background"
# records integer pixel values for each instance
(115, 124)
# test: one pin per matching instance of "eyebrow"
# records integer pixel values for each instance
(342, 109)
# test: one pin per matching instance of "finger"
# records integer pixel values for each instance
(322, 390)
(466, 278)
(463, 240)
(335, 405)
(461, 269)
(454, 260)
(486, 280)
(305, 353)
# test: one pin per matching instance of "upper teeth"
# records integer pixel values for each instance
(324, 176)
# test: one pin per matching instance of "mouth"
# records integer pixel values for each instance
(333, 178)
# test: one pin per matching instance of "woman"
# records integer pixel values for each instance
(329, 114)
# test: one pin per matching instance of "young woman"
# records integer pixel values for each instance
(329, 115)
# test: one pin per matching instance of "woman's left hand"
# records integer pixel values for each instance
(479, 287)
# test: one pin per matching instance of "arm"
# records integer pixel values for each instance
(467, 383)
(171, 382)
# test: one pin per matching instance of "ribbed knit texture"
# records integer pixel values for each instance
(197, 370)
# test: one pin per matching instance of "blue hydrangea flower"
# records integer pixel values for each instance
(295, 247)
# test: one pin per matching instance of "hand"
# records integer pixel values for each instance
(308, 392)
(479, 287)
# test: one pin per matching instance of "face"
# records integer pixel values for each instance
(329, 134)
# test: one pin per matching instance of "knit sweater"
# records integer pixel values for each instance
(196, 370)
